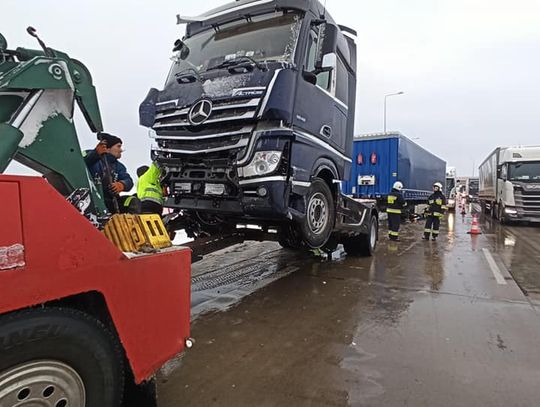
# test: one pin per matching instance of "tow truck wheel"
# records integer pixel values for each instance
(365, 244)
(56, 357)
(318, 223)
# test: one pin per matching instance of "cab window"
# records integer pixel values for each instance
(324, 79)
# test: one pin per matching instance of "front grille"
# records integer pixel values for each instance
(227, 144)
(204, 144)
(170, 117)
(527, 202)
(229, 127)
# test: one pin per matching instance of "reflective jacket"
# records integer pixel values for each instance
(149, 187)
(395, 201)
(437, 204)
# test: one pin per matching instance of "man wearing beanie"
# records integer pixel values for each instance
(103, 164)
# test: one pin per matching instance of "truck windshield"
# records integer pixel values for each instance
(450, 183)
(473, 187)
(267, 37)
(524, 172)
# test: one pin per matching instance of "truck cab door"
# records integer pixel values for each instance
(315, 110)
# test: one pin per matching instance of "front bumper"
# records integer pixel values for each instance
(265, 198)
(520, 214)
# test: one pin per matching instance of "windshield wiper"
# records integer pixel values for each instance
(185, 76)
(237, 61)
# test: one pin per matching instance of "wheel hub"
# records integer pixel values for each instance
(45, 383)
(317, 213)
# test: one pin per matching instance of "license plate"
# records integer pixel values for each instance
(214, 189)
(183, 187)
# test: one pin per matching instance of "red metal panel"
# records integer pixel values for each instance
(10, 214)
(148, 297)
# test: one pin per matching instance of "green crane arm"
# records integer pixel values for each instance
(38, 90)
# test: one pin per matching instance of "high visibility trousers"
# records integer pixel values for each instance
(394, 219)
(432, 226)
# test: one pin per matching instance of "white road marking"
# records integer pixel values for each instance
(494, 268)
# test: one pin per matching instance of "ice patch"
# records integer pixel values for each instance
(51, 103)
(224, 86)
(293, 40)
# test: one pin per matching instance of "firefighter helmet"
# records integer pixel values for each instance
(438, 185)
(398, 185)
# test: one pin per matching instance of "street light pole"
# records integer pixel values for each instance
(386, 96)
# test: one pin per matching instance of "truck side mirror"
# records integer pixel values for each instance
(179, 45)
(328, 34)
(310, 77)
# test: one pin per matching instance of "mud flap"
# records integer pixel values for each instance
(142, 395)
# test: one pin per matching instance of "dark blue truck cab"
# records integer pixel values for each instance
(255, 123)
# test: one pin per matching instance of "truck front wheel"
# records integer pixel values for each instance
(318, 223)
(58, 357)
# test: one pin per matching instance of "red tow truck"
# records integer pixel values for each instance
(82, 323)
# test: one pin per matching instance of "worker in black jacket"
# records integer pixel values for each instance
(105, 167)
(435, 211)
(394, 210)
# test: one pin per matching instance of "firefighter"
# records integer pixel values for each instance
(435, 211)
(105, 167)
(150, 191)
(394, 210)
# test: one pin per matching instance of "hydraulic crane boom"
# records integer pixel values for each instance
(38, 90)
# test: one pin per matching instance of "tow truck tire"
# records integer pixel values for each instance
(318, 224)
(363, 245)
(59, 357)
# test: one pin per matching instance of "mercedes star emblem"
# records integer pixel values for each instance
(200, 112)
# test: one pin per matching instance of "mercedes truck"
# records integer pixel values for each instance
(255, 123)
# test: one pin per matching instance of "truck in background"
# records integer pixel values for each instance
(380, 159)
(510, 184)
(450, 188)
(255, 123)
(472, 193)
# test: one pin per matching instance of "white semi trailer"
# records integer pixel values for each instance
(510, 184)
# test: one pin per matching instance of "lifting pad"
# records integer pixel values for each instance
(137, 233)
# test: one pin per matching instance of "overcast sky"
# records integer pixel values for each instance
(470, 69)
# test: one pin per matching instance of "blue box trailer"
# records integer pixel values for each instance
(381, 159)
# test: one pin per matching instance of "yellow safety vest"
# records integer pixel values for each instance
(149, 187)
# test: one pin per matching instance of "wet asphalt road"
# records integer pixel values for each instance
(442, 323)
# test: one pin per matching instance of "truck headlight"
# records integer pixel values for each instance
(510, 211)
(264, 162)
